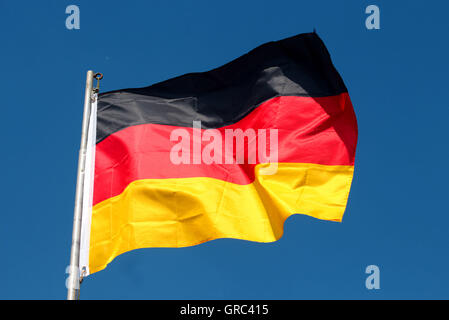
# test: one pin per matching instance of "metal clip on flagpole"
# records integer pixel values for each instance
(73, 283)
(98, 76)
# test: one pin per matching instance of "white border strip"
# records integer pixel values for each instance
(88, 190)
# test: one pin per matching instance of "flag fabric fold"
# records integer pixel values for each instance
(228, 153)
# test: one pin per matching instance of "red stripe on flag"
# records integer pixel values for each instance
(310, 130)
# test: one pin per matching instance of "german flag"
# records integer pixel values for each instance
(228, 153)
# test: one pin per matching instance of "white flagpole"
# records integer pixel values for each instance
(73, 283)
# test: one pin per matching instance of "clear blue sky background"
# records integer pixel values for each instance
(397, 215)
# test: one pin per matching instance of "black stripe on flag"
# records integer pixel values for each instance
(296, 66)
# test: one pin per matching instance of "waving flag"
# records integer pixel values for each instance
(228, 153)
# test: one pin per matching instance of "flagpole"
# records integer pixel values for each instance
(73, 283)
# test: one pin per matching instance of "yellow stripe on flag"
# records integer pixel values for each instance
(189, 211)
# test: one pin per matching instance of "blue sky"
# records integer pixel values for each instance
(397, 216)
